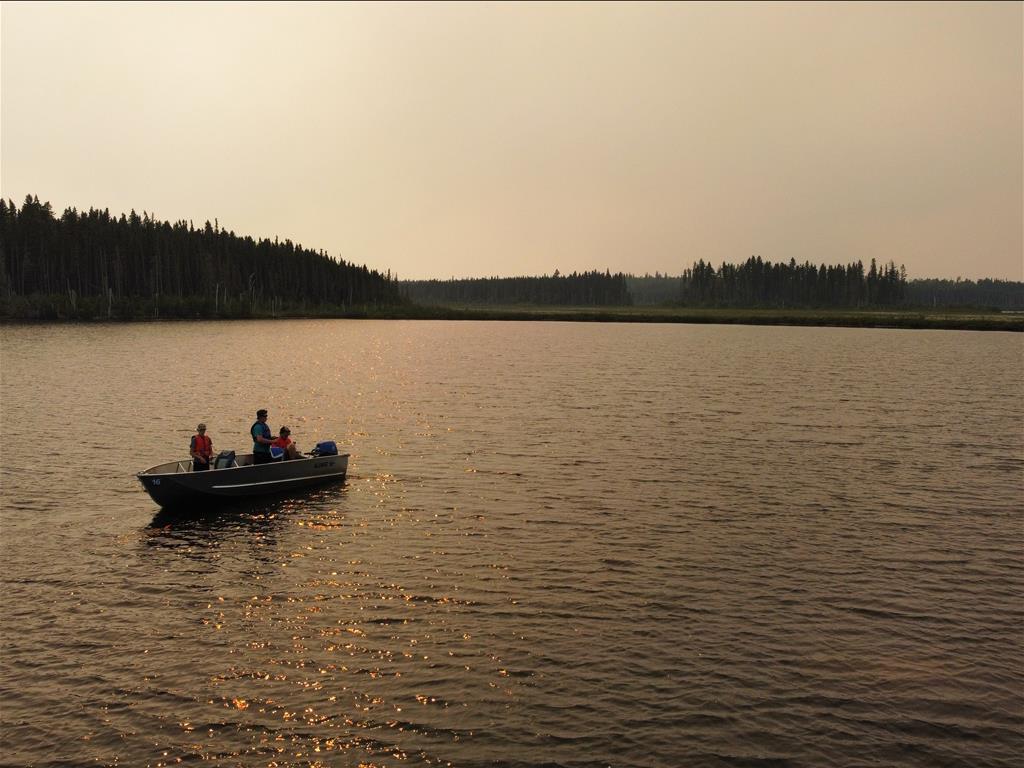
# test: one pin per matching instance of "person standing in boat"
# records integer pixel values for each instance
(261, 438)
(288, 449)
(201, 448)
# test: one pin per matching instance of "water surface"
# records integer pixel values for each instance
(560, 544)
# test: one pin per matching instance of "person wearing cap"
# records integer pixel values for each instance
(201, 448)
(261, 438)
(288, 449)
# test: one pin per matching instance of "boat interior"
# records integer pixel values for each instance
(185, 465)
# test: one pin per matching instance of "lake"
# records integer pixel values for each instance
(559, 544)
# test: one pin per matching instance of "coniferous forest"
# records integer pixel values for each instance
(755, 283)
(761, 284)
(985, 293)
(586, 289)
(97, 265)
(758, 283)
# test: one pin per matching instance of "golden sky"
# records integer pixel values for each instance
(476, 139)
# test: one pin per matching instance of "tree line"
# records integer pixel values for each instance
(97, 265)
(998, 294)
(754, 283)
(760, 283)
(580, 289)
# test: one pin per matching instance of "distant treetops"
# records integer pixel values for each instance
(581, 289)
(95, 264)
(754, 283)
(759, 283)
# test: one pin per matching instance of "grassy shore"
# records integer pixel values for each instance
(951, 319)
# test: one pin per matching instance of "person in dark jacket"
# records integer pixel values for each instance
(261, 438)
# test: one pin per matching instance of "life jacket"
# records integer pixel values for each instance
(264, 431)
(279, 448)
(202, 445)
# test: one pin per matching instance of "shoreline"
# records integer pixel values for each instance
(917, 319)
(950, 319)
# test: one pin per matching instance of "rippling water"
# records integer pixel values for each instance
(559, 545)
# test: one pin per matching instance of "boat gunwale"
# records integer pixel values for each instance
(206, 473)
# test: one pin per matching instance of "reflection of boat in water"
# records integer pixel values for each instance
(175, 485)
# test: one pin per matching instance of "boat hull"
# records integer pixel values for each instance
(174, 485)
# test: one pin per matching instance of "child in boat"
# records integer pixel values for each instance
(285, 446)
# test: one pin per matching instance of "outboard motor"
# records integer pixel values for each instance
(326, 448)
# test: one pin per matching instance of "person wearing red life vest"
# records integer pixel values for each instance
(284, 442)
(201, 449)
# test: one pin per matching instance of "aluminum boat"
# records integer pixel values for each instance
(175, 485)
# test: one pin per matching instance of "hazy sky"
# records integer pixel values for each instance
(465, 139)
